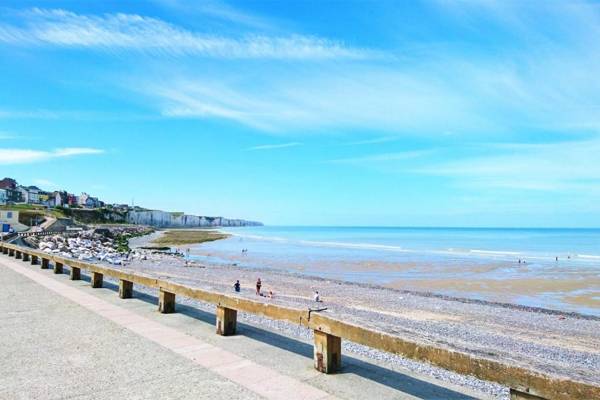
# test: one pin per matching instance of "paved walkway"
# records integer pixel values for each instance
(60, 339)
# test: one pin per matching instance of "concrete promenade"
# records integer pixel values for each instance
(62, 339)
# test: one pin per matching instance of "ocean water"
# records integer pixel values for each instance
(515, 265)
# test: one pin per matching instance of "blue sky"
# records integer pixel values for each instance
(422, 113)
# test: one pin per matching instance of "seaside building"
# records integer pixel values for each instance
(44, 198)
(9, 220)
(59, 199)
(87, 201)
(11, 194)
(30, 194)
(8, 183)
(72, 199)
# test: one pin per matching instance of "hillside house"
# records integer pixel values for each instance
(87, 201)
(30, 194)
(8, 183)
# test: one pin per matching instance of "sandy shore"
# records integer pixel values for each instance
(563, 344)
(512, 289)
(557, 285)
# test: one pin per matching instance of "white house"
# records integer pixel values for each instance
(34, 194)
(87, 201)
(9, 220)
(30, 194)
(57, 199)
(24, 193)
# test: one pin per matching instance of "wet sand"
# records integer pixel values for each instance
(513, 290)
(561, 286)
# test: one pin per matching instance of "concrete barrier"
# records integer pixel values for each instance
(330, 330)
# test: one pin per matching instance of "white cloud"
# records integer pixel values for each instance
(335, 97)
(570, 166)
(273, 146)
(6, 136)
(134, 32)
(377, 140)
(382, 158)
(41, 114)
(45, 182)
(532, 78)
(26, 156)
(216, 9)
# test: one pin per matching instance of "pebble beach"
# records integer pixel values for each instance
(549, 341)
(563, 344)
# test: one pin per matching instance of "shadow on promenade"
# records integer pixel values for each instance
(351, 365)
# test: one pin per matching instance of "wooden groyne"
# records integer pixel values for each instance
(37, 233)
(328, 330)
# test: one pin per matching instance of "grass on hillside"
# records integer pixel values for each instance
(30, 212)
(185, 236)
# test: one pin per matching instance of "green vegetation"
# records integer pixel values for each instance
(31, 212)
(188, 236)
(93, 216)
(19, 207)
(122, 239)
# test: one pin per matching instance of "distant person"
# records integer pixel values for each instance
(270, 294)
(258, 286)
(556, 258)
(236, 286)
(317, 297)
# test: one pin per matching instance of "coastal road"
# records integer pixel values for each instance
(61, 339)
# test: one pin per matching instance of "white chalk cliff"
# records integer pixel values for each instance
(163, 219)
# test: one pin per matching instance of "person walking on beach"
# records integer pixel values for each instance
(236, 286)
(317, 297)
(258, 285)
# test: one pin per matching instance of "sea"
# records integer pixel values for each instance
(552, 268)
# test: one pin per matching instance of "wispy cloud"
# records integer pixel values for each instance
(378, 140)
(26, 156)
(273, 146)
(217, 9)
(537, 80)
(36, 114)
(6, 136)
(45, 183)
(373, 97)
(570, 166)
(115, 32)
(382, 157)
